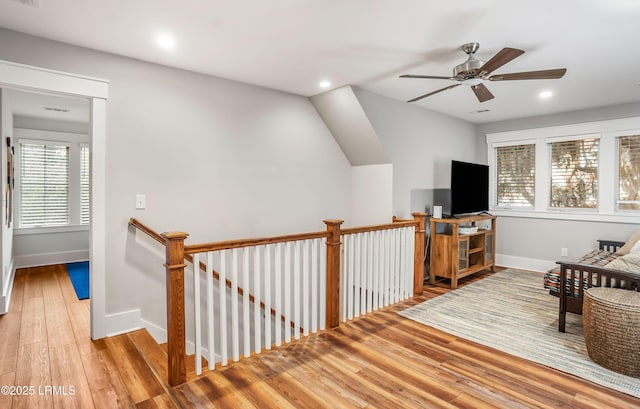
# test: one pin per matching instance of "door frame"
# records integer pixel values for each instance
(31, 78)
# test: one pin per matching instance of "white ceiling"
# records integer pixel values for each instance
(49, 106)
(292, 45)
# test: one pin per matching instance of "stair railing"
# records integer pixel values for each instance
(307, 282)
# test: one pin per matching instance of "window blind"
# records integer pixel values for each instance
(515, 175)
(629, 172)
(84, 185)
(574, 173)
(44, 185)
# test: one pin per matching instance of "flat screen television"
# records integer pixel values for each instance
(469, 187)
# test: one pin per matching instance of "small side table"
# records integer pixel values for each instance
(611, 320)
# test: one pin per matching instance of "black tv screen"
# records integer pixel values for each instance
(469, 187)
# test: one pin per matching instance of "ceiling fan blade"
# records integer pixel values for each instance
(504, 56)
(530, 75)
(434, 92)
(435, 77)
(482, 93)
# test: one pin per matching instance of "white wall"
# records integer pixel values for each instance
(420, 143)
(215, 158)
(6, 236)
(371, 194)
(536, 243)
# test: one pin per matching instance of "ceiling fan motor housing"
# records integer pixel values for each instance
(468, 69)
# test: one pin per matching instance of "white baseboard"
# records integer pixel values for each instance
(524, 263)
(45, 259)
(5, 297)
(123, 322)
(160, 335)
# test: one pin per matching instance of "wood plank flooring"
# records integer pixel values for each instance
(379, 361)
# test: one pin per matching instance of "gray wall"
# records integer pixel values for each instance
(421, 144)
(215, 158)
(542, 239)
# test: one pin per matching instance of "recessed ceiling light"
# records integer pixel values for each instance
(165, 41)
(324, 84)
(545, 94)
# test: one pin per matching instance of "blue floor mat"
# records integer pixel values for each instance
(79, 275)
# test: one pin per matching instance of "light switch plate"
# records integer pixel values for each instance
(141, 201)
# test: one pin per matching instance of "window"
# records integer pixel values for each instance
(586, 171)
(574, 174)
(515, 185)
(44, 184)
(84, 185)
(628, 173)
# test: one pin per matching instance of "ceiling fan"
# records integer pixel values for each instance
(473, 72)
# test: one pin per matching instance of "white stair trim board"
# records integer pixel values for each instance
(123, 322)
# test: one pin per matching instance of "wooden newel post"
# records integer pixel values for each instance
(174, 243)
(333, 272)
(418, 254)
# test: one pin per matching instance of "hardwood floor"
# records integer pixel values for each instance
(382, 360)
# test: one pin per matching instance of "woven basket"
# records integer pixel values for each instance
(611, 319)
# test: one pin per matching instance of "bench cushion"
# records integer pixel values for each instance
(595, 258)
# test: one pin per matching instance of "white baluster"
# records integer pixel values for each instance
(357, 273)
(370, 262)
(256, 301)
(315, 288)
(350, 276)
(344, 273)
(403, 262)
(278, 294)
(210, 318)
(267, 297)
(376, 269)
(296, 290)
(235, 338)
(387, 267)
(411, 251)
(246, 324)
(363, 273)
(196, 312)
(323, 283)
(305, 287)
(287, 292)
(393, 277)
(222, 290)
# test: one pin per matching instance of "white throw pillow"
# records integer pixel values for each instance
(629, 263)
(635, 248)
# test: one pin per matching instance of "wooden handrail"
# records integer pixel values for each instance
(230, 244)
(365, 229)
(146, 230)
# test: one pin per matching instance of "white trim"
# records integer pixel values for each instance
(524, 263)
(584, 215)
(5, 299)
(159, 334)
(20, 76)
(45, 259)
(51, 229)
(123, 322)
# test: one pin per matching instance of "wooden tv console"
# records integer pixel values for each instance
(455, 255)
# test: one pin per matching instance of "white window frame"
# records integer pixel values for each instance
(608, 131)
(73, 141)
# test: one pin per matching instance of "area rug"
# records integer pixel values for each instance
(79, 275)
(511, 312)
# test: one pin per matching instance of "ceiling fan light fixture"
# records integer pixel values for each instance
(472, 82)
